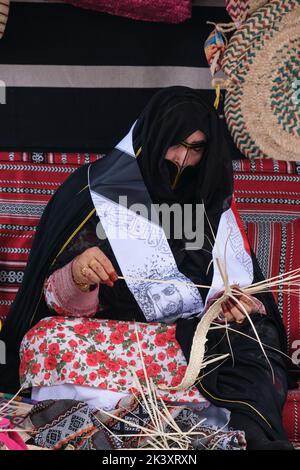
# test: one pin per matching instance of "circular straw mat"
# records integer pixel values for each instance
(262, 65)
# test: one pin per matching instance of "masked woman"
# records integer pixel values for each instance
(90, 305)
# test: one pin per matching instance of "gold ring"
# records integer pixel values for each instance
(83, 271)
(90, 264)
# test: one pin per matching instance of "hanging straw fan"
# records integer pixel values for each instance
(262, 106)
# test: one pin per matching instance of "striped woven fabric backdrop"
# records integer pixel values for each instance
(75, 79)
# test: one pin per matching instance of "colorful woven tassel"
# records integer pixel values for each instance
(214, 48)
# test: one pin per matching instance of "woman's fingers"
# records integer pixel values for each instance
(82, 273)
(91, 276)
(94, 267)
(245, 299)
(248, 303)
(100, 272)
(233, 312)
(104, 268)
(226, 312)
(234, 309)
(106, 265)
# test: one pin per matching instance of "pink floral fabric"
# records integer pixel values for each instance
(71, 347)
(101, 353)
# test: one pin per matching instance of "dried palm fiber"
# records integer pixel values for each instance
(4, 10)
(261, 63)
(290, 279)
(162, 431)
(7, 404)
(196, 362)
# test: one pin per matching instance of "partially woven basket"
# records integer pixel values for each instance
(262, 104)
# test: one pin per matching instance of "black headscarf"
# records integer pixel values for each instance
(172, 115)
(169, 118)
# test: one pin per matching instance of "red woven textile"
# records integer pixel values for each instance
(267, 165)
(268, 203)
(291, 416)
(267, 195)
(168, 11)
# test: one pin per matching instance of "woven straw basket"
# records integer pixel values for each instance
(240, 9)
(262, 65)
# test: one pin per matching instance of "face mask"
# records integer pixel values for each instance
(182, 174)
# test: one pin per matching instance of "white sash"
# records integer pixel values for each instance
(142, 251)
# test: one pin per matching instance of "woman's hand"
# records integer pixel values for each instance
(232, 311)
(93, 267)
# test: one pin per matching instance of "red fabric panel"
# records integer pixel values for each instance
(281, 240)
(267, 197)
(291, 416)
(266, 165)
